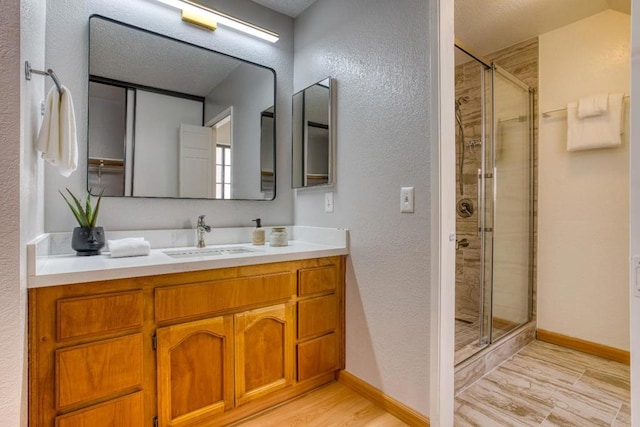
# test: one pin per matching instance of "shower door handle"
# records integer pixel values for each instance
(480, 206)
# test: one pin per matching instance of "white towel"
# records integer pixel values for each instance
(595, 132)
(57, 138)
(592, 106)
(132, 246)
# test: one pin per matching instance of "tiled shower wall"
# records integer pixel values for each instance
(521, 60)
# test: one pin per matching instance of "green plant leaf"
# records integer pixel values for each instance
(88, 210)
(73, 209)
(86, 216)
(82, 216)
(94, 217)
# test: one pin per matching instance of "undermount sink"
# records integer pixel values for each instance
(203, 252)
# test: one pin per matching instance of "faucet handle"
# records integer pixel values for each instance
(201, 219)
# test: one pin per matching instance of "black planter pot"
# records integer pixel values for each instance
(87, 241)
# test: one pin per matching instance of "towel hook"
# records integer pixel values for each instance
(28, 71)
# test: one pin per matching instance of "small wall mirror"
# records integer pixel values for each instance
(312, 147)
(171, 119)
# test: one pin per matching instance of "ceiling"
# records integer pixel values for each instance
(490, 25)
(291, 8)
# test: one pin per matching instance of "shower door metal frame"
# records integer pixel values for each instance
(494, 125)
(485, 332)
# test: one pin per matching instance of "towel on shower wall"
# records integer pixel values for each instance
(57, 138)
(592, 106)
(595, 132)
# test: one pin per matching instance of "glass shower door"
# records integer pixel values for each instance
(509, 241)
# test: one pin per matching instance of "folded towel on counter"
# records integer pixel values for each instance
(57, 137)
(592, 106)
(595, 132)
(132, 246)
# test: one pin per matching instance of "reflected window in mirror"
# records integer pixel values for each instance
(171, 119)
(312, 147)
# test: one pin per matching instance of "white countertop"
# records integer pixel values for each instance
(45, 269)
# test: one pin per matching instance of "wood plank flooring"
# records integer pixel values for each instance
(331, 406)
(542, 385)
(548, 385)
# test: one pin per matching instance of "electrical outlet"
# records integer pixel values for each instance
(406, 199)
(328, 201)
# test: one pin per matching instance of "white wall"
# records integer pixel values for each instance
(634, 212)
(21, 31)
(12, 324)
(583, 198)
(157, 136)
(249, 90)
(66, 53)
(378, 53)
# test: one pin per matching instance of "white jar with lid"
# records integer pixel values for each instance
(278, 237)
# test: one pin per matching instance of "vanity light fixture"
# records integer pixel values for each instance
(209, 18)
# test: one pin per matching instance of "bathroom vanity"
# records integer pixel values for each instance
(205, 346)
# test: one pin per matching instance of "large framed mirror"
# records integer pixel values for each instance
(312, 147)
(171, 119)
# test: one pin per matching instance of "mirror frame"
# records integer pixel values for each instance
(159, 90)
(331, 142)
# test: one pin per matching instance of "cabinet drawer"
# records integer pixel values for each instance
(317, 316)
(92, 371)
(319, 279)
(127, 411)
(98, 314)
(185, 301)
(318, 356)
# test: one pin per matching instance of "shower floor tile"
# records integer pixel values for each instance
(548, 385)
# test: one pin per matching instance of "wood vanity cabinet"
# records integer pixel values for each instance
(203, 348)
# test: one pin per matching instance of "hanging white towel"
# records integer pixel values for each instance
(592, 106)
(595, 132)
(57, 138)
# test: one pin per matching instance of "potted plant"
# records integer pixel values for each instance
(87, 238)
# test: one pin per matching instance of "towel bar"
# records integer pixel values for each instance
(28, 71)
(547, 114)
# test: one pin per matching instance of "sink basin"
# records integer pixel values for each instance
(204, 252)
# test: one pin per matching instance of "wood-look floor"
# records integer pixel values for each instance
(542, 385)
(330, 406)
(548, 385)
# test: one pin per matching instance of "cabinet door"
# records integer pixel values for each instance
(264, 351)
(127, 411)
(195, 371)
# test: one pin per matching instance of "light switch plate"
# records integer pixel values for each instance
(328, 202)
(406, 200)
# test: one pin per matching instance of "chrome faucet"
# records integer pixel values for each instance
(202, 228)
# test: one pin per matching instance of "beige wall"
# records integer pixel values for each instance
(634, 218)
(583, 199)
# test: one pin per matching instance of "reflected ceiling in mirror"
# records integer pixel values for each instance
(312, 147)
(171, 119)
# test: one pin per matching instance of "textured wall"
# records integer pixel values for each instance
(19, 182)
(378, 52)
(12, 324)
(583, 200)
(66, 53)
(634, 217)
